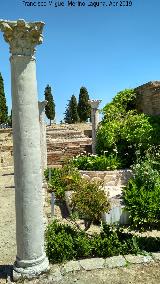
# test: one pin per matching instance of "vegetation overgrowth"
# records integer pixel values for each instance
(142, 194)
(88, 200)
(64, 242)
(124, 130)
(96, 163)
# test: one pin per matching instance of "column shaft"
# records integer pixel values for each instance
(27, 159)
(95, 120)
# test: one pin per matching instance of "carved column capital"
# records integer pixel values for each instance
(22, 36)
(94, 103)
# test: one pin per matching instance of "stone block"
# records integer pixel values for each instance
(115, 261)
(55, 273)
(92, 263)
(117, 214)
(70, 266)
(136, 259)
(156, 256)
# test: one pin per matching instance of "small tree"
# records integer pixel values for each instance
(3, 106)
(50, 107)
(84, 108)
(71, 114)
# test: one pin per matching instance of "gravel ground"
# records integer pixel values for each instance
(7, 223)
(133, 274)
(141, 274)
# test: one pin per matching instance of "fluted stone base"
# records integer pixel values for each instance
(29, 269)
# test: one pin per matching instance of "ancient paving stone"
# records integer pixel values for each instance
(115, 261)
(55, 273)
(70, 266)
(93, 263)
(156, 255)
(138, 258)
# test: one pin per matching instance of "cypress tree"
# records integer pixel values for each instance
(67, 117)
(84, 108)
(50, 107)
(73, 109)
(3, 106)
(71, 114)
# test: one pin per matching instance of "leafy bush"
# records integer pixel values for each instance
(96, 163)
(59, 239)
(90, 201)
(142, 195)
(63, 179)
(126, 130)
(64, 242)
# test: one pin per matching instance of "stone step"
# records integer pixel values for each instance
(64, 132)
(78, 140)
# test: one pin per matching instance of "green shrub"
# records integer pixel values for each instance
(59, 245)
(96, 163)
(125, 130)
(63, 179)
(142, 195)
(90, 201)
(111, 241)
(64, 242)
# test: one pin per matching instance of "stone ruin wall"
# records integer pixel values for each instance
(111, 178)
(148, 100)
(65, 144)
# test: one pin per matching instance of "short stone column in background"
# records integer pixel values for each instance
(22, 38)
(95, 120)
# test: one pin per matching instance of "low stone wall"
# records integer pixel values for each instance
(110, 178)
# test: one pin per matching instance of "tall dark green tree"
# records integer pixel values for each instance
(84, 108)
(67, 117)
(50, 107)
(3, 106)
(71, 114)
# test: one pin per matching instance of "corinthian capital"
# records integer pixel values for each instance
(22, 36)
(94, 103)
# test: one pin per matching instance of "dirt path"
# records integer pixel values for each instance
(7, 223)
(7, 219)
(7, 227)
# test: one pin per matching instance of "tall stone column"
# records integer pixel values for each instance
(95, 120)
(22, 38)
(43, 142)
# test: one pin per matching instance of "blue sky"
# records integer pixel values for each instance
(105, 49)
